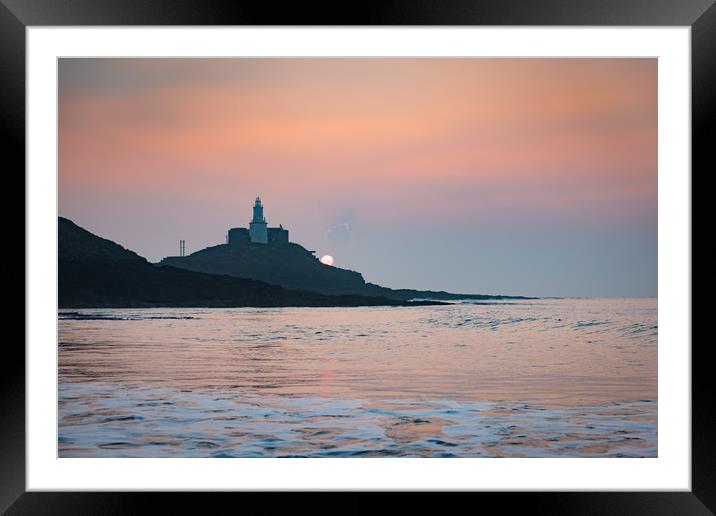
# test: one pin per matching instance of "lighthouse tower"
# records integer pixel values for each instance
(257, 227)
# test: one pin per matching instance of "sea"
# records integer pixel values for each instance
(509, 378)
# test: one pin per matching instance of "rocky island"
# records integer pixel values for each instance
(97, 273)
(265, 254)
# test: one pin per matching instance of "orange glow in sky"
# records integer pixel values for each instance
(154, 150)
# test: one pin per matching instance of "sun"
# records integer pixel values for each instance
(327, 260)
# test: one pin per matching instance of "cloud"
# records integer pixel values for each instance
(339, 234)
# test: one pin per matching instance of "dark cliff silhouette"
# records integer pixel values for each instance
(95, 272)
(292, 266)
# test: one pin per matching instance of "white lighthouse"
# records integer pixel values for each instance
(257, 227)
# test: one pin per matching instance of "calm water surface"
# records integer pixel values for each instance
(538, 378)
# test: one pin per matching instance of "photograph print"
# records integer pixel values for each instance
(357, 257)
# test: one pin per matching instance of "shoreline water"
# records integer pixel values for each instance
(162, 422)
(543, 371)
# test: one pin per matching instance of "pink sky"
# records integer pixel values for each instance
(154, 150)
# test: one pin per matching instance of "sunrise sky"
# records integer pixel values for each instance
(515, 176)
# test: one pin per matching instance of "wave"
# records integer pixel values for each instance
(81, 316)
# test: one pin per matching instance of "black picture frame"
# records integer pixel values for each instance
(17, 15)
